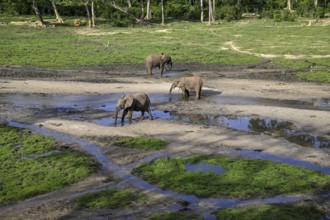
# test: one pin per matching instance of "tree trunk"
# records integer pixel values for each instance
(288, 3)
(93, 14)
(89, 16)
(40, 21)
(211, 15)
(316, 3)
(113, 4)
(129, 3)
(142, 9)
(213, 12)
(148, 16)
(163, 12)
(202, 12)
(58, 18)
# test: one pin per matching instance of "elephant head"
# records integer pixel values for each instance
(174, 84)
(125, 102)
(166, 59)
(187, 84)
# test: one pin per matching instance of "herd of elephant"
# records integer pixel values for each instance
(141, 102)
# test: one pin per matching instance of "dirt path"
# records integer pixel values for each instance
(227, 92)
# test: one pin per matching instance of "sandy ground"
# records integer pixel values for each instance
(183, 138)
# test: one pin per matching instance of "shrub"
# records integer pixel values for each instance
(230, 13)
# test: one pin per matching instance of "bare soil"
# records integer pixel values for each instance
(256, 81)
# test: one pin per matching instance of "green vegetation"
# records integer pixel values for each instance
(176, 215)
(271, 212)
(30, 165)
(110, 199)
(244, 178)
(145, 143)
(317, 76)
(186, 42)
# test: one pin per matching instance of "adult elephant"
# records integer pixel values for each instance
(188, 83)
(131, 103)
(153, 60)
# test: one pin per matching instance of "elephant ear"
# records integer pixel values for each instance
(129, 102)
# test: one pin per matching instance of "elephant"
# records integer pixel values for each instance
(153, 60)
(130, 103)
(188, 83)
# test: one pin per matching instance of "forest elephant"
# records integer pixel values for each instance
(188, 83)
(153, 60)
(131, 103)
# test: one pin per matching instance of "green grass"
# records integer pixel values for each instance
(144, 143)
(186, 42)
(244, 178)
(176, 215)
(317, 76)
(108, 199)
(29, 166)
(271, 212)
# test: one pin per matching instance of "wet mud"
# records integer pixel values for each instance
(34, 109)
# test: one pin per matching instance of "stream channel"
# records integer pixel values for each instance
(203, 206)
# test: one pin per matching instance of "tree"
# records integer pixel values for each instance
(289, 5)
(142, 9)
(58, 18)
(211, 11)
(148, 15)
(202, 11)
(40, 21)
(90, 13)
(163, 12)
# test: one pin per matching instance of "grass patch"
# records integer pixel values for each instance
(176, 215)
(30, 166)
(186, 42)
(317, 76)
(144, 143)
(110, 199)
(244, 178)
(271, 212)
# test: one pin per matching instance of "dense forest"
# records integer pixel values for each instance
(130, 12)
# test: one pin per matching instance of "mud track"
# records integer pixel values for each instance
(228, 91)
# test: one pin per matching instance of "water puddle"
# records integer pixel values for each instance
(205, 206)
(269, 126)
(312, 104)
(204, 168)
(72, 105)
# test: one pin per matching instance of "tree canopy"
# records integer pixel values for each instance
(130, 12)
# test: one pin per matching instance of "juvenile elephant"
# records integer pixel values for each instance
(130, 103)
(188, 83)
(159, 61)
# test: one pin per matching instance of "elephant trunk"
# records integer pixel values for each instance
(170, 64)
(172, 87)
(116, 113)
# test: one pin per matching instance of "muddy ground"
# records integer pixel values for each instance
(256, 91)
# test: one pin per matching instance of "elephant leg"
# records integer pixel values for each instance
(161, 67)
(150, 115)
(198, 93)
(186, 93)
(142, 115)
(130, 115)
(123, 115)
